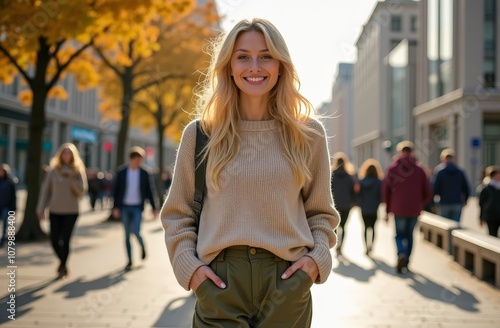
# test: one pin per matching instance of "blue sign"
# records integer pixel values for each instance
(475, 142)
(82, 134)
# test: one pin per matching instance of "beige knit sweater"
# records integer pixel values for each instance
(61, 190)
(259, 204)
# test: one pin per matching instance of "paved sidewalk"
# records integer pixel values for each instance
(361, 291)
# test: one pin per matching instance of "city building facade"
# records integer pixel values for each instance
(337, 115)
(76, 120)
(458, 92)
(389, 23)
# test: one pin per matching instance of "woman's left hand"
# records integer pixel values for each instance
(306, 264)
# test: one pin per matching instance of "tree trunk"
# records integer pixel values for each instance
(30, 228)
(127, 79)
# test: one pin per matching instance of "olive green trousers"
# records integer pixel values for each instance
(255, 295)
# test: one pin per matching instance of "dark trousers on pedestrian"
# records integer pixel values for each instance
(493, 227)
(369, 222)
(344, 215)
(255, 295)
(61, 229)
(131, 218)
(4, 215)
(404, 235)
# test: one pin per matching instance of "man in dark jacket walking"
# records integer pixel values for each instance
(451, 185)
(133, 186)
(489, 202)
(405, 191)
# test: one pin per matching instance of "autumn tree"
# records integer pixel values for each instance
(126, 58)
(165, 104)
(42, 40)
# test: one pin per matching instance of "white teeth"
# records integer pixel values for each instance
(255, 79)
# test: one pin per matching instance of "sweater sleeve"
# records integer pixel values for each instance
(177, 216)
(320, 210)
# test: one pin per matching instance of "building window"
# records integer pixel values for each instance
(413, 24)
(439, 47)
(396, 23)
(394, 43)
(490, 35)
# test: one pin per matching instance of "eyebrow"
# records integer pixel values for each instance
(244, 50)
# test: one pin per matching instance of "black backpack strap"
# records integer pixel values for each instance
(200, 172)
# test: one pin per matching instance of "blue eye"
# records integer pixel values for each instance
(243, 57)
(267, 57)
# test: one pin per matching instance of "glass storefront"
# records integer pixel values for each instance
(439, 47)
(491, 135)
(489, 43)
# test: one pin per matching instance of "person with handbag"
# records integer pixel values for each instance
(65, 182)
(268, 218)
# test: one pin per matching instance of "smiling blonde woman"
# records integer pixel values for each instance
(268, 219)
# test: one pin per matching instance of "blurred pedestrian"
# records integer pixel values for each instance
(133, 186)
(267, 224)
(489, 202)
(7, 198)
(370, 185)
(167, 182)
(343, 185)
(95, 186)
(450, 186)
(64, 183)
(405, 191)
(485, 179)
(108, 182)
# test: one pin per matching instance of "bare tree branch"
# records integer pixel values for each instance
(159, 80)
(15, 63)
(61, 68)
(107, 62)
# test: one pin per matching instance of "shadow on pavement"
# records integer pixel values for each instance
(432, 290)
(418, 282)
(352, 270)
(178, 313)
(78, 288)
(24, 297)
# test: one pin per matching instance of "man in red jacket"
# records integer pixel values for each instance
(405, 191)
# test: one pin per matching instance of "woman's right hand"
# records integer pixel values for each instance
(203, 273)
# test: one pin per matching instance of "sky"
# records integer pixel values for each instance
(320, 34)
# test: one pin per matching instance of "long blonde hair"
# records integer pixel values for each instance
(76, 161)
(371, 167)
(340, 159)
(218, 102)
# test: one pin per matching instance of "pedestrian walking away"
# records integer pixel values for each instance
(7, 198)
(450, 186)
(268, 218)
(489, 202)
(65, 182)
(370, 185)
(133, 186)
(405, 191)
(343, 185)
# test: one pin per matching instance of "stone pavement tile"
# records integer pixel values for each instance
(370, 290)
(361, 291)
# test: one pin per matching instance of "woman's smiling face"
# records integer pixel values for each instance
(253, 69)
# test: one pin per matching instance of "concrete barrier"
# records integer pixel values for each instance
(437, 230)
(478, 253)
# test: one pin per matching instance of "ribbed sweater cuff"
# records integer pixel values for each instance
(184, 266)
(323, 258)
